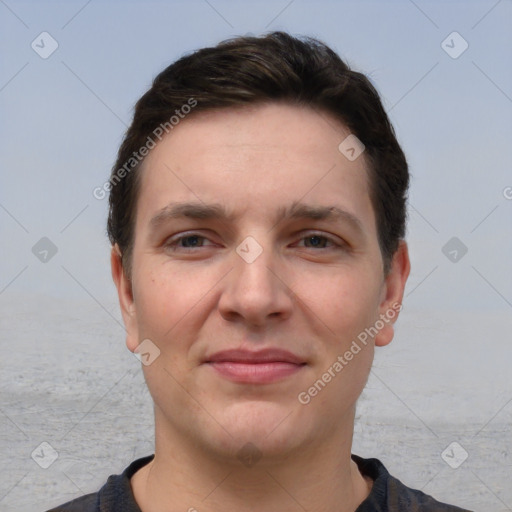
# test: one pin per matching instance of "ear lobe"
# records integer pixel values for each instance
(125, 296)
(385, 335)
(393, 292)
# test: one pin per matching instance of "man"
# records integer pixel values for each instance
(257, 220)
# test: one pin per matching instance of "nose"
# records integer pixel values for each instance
(256, 292)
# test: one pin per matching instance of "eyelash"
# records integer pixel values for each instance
(173, 242)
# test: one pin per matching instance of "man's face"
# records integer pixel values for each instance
(259, 281)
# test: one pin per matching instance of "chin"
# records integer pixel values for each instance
(271, 427)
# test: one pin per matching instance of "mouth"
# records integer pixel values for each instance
(261, 367)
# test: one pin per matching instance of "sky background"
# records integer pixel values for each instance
(445, 377)
(64, 117)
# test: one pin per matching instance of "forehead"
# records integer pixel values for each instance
(256, 160)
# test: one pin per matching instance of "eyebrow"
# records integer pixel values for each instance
(297, 210)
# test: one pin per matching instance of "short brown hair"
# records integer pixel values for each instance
(276, 67)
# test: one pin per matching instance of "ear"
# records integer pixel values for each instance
(125, 295)
(392, 294)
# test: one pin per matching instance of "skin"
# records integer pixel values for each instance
(308, 296)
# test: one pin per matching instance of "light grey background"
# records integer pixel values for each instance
(66, 377)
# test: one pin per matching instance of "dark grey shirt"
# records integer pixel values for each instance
(387, 495)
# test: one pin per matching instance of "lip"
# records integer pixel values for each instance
(255, 367)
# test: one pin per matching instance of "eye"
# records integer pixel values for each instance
(186, 241)
(190, 241)
(319, 241)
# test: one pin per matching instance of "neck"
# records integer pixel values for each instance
(184, 476)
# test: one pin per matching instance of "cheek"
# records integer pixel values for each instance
(346, 301)
(162, 300)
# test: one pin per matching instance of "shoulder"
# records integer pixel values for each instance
(390, 494)
(86, 503)
(402, 498)
(115, 496)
